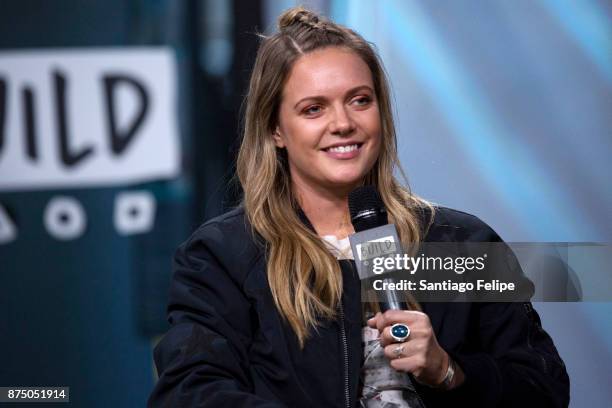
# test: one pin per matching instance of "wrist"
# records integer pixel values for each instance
(453, 376)
(444, 379)
(449, 375)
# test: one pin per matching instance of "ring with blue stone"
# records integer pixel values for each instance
(400, 332)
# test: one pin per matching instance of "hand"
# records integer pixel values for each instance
(421, 355)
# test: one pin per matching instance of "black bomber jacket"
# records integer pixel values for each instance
(229, 347)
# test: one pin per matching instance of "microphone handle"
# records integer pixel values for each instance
(390, 300)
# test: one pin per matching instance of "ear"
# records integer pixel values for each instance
(279, 141)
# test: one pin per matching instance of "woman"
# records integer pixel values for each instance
(264, 309)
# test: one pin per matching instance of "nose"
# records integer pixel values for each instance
(341, 123)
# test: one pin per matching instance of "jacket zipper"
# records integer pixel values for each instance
(347, 395)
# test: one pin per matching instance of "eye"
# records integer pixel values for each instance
(312, 110)
(363, 100)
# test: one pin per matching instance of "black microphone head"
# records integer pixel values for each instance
(367, 208)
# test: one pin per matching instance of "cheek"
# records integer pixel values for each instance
(370, 122)
(375, 123)
(375, 155)
(375, 131)
(303, 134)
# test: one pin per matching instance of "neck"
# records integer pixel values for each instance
(327, 210)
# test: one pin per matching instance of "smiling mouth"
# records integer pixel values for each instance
(344, 149)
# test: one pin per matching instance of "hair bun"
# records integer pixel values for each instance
(299, 15)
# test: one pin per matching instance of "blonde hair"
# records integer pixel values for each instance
(304, 277)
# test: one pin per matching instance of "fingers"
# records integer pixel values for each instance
(402, 350)
(427, 369)
(419, 325)
(420, 354)
(385, 338)
(414, 357)
(409, 317)
(372, 322)
(414, 364)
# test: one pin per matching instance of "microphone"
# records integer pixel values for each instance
(374, 237)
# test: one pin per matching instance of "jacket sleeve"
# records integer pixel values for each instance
(202, 360)
(517, 363)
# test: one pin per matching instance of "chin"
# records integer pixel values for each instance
(349, 173)
(348, 181)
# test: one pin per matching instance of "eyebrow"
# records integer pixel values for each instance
(350, 91)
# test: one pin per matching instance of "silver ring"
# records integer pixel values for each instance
(398, 351)
(400, 332)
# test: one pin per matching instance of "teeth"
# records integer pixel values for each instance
(343, 149)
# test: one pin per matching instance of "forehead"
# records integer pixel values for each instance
(326, 71)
